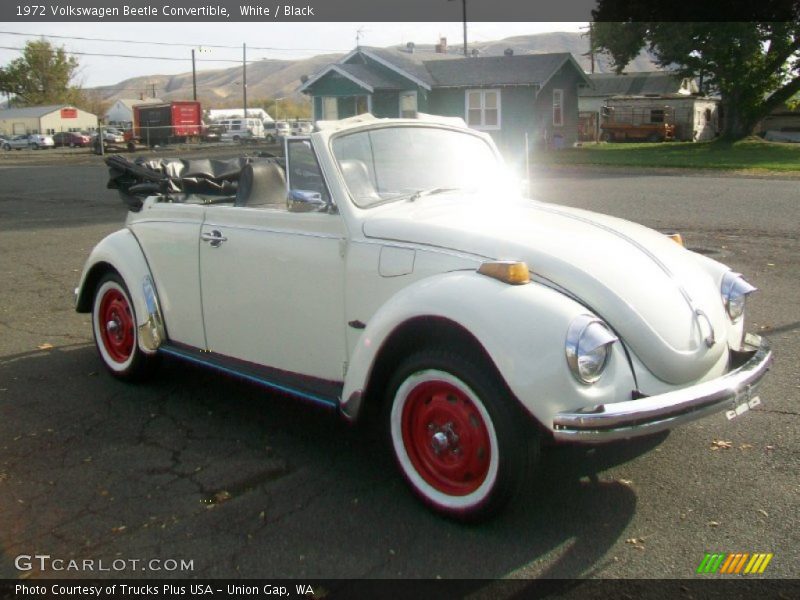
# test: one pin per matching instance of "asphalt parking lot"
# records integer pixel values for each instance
(200, 468)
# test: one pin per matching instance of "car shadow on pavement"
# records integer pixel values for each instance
(246, 483)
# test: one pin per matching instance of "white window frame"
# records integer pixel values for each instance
(323, 100)
(560, 105)
(407, 94)
(483, 126)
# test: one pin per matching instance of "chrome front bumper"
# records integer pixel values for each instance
(633, 418)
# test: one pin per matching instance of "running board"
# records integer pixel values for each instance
(321, 392)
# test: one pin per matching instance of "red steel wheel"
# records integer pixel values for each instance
(446, 437)
(456, 434)
(115, 329)
(116, 325)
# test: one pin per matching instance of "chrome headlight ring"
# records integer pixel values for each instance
(734, 291)
(587, 348)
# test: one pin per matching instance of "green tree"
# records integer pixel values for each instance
(42, 75)
(753, 66)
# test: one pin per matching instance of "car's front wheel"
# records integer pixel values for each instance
(115, 331)
(456, 435)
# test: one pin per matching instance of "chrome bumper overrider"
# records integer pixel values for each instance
(632, 418)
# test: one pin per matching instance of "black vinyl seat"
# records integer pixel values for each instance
(261, 184)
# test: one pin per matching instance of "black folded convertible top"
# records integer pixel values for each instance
(204, 180)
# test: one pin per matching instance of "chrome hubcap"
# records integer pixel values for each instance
(443, 438)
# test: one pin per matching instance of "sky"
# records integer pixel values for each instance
(284, 40)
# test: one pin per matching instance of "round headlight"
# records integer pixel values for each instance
(734, 290)
(588, 347)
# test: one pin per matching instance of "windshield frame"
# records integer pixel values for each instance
(484, 137)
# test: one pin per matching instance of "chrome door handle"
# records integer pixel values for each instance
(215, 238)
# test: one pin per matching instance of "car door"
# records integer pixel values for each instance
(273, 282)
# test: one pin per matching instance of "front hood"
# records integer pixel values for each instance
(648, 288)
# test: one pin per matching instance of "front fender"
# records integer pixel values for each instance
(120, 252)
(522, 328)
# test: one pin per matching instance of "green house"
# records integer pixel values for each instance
(509, 97)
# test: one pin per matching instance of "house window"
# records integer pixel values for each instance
(558, 108)
(330, 108)
(408, 105)
(362, 105)
(657, 115)
(483, 109)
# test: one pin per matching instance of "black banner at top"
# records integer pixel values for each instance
(395, 10)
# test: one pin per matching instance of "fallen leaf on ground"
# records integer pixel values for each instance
(45, 346)
(718, 444)
(634, 541)
(713, 523)
(222, 496)
(745, 446)
(626, 481)
(763, 512)
(119, 529)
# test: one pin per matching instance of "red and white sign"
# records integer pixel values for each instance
(69, 113)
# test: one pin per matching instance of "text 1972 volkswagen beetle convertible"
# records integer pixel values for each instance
(385, 268)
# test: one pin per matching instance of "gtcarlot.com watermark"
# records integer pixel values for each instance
(47, 563)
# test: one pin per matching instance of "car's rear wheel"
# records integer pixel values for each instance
(35, 146)
(115, 331)
(456, 434)
(6, 147)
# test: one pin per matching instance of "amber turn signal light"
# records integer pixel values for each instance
(511, 272)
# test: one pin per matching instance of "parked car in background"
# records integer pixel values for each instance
(34, 141)
(270, 131)
(282, 130)
(213, 132)
(72, 139)
(389, 270)
(242, 130)
(113, 135)
(302, 127)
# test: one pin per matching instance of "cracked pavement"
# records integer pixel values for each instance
(249, 483)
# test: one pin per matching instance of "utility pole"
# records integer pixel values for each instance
(464, 6)
(194, 79)
(244, 77)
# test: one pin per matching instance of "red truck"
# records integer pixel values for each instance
(158, 124)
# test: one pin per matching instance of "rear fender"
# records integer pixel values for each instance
(120, 252)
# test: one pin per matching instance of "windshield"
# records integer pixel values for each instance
(396, 163)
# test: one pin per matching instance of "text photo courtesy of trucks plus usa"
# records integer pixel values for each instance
(530, 284)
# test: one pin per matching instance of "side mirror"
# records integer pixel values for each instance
(305, 201)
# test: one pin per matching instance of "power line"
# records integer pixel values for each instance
(154, 43)
(169, 58)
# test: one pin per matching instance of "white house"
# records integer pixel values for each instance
(45, 119)
(121, 112)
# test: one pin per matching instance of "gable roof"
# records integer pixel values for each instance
(524, 69)
(31, 112)
(429, 70)
(129, 103)
(643, 83)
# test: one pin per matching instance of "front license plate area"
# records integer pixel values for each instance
(743, 407)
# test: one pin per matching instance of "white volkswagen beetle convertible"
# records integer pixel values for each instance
(384, 268)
